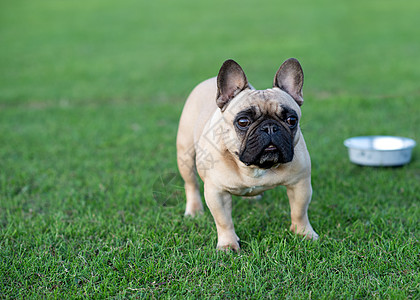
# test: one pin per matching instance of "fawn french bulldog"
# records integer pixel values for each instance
(243, 141)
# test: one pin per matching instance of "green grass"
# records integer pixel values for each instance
(90, 96)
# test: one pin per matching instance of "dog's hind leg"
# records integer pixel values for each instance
(186, 166)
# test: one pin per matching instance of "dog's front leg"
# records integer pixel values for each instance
(220, 205)
(299, 198)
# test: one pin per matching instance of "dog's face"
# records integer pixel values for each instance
(261, 125)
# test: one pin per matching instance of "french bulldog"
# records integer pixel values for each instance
(243, 141)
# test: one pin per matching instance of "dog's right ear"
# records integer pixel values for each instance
(230, 82)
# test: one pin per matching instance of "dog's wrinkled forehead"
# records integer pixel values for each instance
(265, 102)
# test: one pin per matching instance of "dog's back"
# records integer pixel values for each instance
(198, 108)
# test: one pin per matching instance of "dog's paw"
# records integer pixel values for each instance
(305, 230)
(193, 213)
(228, 243)
(194, 209)
(230, 247)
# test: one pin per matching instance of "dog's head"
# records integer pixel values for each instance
(261, 126)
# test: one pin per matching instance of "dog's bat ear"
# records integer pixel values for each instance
(289, 78)
(230, 82)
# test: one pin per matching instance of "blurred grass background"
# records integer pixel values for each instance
(90, 97)
(98, 50)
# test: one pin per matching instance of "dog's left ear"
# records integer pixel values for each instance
(230, 82)
(289, 78)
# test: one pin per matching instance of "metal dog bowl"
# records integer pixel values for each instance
(380, 151)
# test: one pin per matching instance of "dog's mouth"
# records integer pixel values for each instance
(269, 156)
(268, 145)
(271, 148)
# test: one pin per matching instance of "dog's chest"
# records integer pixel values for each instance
(258, 181)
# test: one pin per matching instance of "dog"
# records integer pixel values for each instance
(243, 141)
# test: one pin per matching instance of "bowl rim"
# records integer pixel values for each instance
(348, 143)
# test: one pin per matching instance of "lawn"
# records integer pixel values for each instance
(91, 204)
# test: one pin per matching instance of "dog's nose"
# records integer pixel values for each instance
(270, 128)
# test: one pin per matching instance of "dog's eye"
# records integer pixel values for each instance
(243, 122)
(292, 121)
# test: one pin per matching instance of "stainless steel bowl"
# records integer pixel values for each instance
(380, 150)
